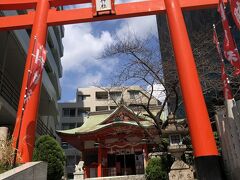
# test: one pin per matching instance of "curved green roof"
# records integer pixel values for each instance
(96, 122)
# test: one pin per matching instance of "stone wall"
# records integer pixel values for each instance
(228, 125)
(28, 171)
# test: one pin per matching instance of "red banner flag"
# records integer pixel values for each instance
(226, 87)
(229, 46)
(35, 71)
(235, 10)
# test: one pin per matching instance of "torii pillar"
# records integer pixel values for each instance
(25, 126)
(205, 150)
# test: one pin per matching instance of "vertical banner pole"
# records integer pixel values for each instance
(204, 146)
(24, 131)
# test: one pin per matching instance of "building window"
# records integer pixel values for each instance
(133, 94)
(115, 95)
(87, 109)
(72, 112)
(102, 95)
(82, 112)
(65, 112)
(113, 107)
(69, 112)
(82, 97)
(79, 124)
(66, 126)
(101, 108)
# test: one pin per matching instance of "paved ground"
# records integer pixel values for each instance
(131, 177)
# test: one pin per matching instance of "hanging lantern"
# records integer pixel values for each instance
(103, 7)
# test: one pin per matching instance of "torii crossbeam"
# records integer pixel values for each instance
(44, 13)
(55, 17)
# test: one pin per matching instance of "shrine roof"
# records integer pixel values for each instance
(96, 122)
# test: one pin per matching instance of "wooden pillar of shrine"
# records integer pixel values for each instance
(145, 156)
(99, 168)
(104, 162)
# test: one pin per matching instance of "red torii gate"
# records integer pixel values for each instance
(46, 14)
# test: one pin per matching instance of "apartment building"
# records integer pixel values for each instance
(95, 99)
(13, 52)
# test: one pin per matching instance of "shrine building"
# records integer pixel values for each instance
(113, 143)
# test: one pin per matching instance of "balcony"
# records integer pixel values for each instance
(9, 90)
(102, 96)
(42, 129)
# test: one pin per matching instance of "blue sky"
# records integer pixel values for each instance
(84, 43)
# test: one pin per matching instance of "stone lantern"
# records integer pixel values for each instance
(175, 131)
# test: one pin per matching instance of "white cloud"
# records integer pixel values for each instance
(139, 26)
(90, 80)
(81, 48)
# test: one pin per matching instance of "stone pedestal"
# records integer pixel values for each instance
(181, 171)
(176, 131)
(78, 175)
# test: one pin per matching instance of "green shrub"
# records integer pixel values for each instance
(47, 149)
(155, 170)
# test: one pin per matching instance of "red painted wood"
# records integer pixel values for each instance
(30, 4)
(195, 107)
(198, 121)
(29, 117)
(16, 22)
(99, 168)
(17, 4)
(67, 2)
(125, 10)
